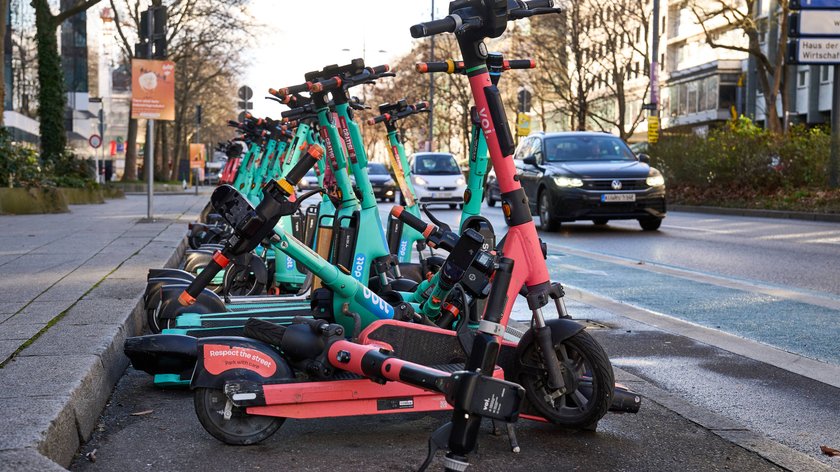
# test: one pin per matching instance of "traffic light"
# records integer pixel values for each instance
(152, 34)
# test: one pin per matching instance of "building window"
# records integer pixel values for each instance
(802, 78)
(825, 73)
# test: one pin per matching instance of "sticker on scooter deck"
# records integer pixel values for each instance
(220, 358)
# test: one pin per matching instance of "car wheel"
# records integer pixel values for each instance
(600, 221)
(452, 206)
(402, 200)
(460, 206)
(545, 210)
(490, 200)
(650, 224)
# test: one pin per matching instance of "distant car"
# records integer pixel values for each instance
(491, 189)
(438, 179)
(308, 182)
(593, 176)
(384, 187)
(213, 172)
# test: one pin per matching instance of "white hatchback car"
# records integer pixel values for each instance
(438, 179)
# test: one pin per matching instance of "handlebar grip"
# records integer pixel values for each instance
(203, 279)
(293, 113)
(531, 4)
(520, 64)
(421, 106)
(325, 85)
(378, 119)
(376, 70)
(430, 28)
(304, 164)
(295, 89)
(264, 331)
(421, 226)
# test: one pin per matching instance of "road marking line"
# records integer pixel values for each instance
(826, 373)
(747, 286)
(799, 235)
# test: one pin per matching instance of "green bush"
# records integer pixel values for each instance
(743, 156)
(19, 166)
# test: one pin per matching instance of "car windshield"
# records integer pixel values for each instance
(586, 148)
(377, 169)
(435, 164)
(311, 173)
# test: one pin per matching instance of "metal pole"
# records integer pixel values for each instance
(654, 63)
(432, 89)
(834, 158)
(150, 169)
(150, 143)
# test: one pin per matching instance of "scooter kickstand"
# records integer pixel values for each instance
(514, 444)
(438, 440)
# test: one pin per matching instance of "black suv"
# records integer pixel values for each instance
(588, 176)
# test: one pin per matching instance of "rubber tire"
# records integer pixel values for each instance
(209, 414)
(546, 224)
(256, 287)
(603, 382)
(452, 206)
(490, 200)
(402, 199)
(650, 224)
(600, 221)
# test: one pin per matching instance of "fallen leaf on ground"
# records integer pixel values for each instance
(91, 456)
(831, 452)
(141, 413)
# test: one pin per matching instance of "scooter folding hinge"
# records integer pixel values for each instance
(493, 329)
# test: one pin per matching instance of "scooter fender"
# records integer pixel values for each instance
(196, 259)
(206, 302)
(162, 353)
(246, 361)
(169, 272)
(561, 330)
(151, 297)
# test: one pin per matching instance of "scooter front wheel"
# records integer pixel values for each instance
(240, 429)
(588, 376)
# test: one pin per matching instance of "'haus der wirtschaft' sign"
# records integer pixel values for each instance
(815, 32)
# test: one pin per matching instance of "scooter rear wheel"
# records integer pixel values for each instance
(241, 429)
(588, 372)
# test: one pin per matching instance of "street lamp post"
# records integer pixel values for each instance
(431, 88)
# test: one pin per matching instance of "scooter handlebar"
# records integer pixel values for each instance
(430, 28)
(203, 279)
(325, 85)
(421, 226)
(294, 89)
(379, 119)
(304, 164)
(520, 64)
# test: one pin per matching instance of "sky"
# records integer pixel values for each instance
(300, 37)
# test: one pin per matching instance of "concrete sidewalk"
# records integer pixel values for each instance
(71, 285)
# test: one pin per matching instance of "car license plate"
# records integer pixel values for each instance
(441, 195)
(618, 197)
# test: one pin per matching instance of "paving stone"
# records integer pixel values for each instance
(10, 331)
(47, 425)
(8, 307)
(94, 310)
(26, 460)
(120, 289)
(8, 347)
(40, 312)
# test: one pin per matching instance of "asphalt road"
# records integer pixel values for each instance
(742, 262)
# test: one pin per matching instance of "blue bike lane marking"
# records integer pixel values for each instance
(801, 328)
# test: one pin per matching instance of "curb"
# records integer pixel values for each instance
(80, 360)
(779, 214)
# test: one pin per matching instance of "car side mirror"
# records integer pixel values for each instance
(530, 160)
(644, 158)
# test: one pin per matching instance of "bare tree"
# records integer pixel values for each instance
(4, 4)
(624, 40)
(716, 16)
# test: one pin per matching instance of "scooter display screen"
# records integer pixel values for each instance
(461, 257)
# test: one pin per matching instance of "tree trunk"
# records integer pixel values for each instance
(131, 152)
(167, 152)
(51, 99)
(4, 4)
(176, 152)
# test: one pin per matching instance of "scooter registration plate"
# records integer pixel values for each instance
(618, 197)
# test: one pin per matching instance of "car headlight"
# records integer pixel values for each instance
(568, 182)
(303, 182)
(461, 181)
(419, 180)
(655, 180)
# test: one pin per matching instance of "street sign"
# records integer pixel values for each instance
(523, 124)
(153, 89)
(814, 51)
(813, 4)
(653, 129)
(245, 93)
(95, 141)
(824, 23)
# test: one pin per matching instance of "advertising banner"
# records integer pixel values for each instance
(153, 89)
(197, 156)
